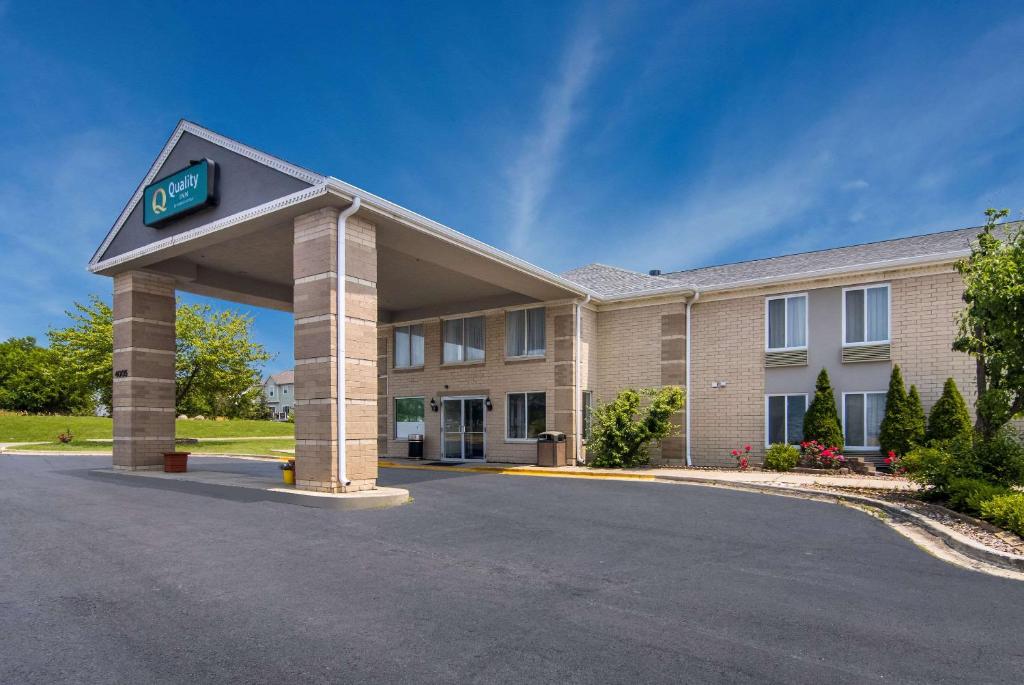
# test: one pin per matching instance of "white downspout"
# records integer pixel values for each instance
(689, 393)
(578, 390)
(340, 346)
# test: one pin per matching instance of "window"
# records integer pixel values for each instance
(527, 415)
(463, 339)
(408, 346)
(866, 315)
(588, 413)
(524, 333)
(785, 418)
(862, 418)
(284, 391)
(271, 392)
(786, 318)
(408, 417)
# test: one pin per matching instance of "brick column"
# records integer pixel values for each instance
(316, 320)
(673, 372)
(566, 403)
(144, 346)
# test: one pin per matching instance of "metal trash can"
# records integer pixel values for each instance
(415, 446)
(551, 448)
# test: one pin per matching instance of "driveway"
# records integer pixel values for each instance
(482, 578)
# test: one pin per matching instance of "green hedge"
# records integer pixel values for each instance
(1006, 511)
(781, 457)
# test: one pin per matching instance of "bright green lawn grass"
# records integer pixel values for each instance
(14, 428)
(242, 446)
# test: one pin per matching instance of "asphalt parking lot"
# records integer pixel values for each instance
(482, 578)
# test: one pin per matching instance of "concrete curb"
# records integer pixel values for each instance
(369, 499)
(956, 541)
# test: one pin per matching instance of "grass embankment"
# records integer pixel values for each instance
(94, 434)
(243, 446)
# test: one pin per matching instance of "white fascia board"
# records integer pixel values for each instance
(439, 230)
(213, 227)
(206, 134)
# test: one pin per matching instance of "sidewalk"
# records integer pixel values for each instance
(709, 476)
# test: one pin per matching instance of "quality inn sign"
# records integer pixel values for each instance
(181, 193)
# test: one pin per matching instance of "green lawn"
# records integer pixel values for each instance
(259, 448)
(14, 428)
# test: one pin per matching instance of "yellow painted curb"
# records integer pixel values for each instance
(516, 471)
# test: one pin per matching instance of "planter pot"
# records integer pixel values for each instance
(176, 462)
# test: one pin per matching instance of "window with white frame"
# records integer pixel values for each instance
(408, 346)
(786, 322)
(463, 339)
(524, 333)
(527, 415)
(785, 416)
(408, 417)
(588, 413)
(866, 315)
(862, 418)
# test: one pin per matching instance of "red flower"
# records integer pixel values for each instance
(746, 448)
(892, 454)
(888, 460)
(735, 453)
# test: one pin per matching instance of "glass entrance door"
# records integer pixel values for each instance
(462, 427)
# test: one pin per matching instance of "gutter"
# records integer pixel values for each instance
(689, 393)
(339, 351)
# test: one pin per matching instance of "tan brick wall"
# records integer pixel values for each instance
(727, 345)
(629, 354)
(924, 311)
(494, 377)
(144, 388)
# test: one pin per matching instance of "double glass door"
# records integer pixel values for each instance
(462, 428)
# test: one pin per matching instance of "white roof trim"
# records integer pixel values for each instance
(422, 223)
(213, 227)
(215, 138)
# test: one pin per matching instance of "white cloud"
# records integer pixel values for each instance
(532, 174)
(859, 184)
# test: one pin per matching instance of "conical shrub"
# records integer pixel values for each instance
(949, 418)
(821, 422)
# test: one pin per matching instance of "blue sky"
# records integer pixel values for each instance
(647, 135)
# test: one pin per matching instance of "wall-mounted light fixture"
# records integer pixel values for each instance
(433, 404)
(487, 403)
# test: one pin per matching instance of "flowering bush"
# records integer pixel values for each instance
(815, 455)
(895, 463)
(742, 458)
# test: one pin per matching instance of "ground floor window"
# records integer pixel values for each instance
(862, 418)
(408, 417)
(785, 415)
(588, 413)
(527, 415)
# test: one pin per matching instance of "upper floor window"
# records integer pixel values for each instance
(866, 315)
(463, 339)
(524, 333)
(408, 346)
(786, 322)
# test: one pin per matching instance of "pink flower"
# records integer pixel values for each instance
(735, 453)
(746, 448)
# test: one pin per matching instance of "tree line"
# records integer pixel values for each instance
(217, 370)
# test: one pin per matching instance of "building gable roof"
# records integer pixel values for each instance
(192, 137)
(929, 248)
